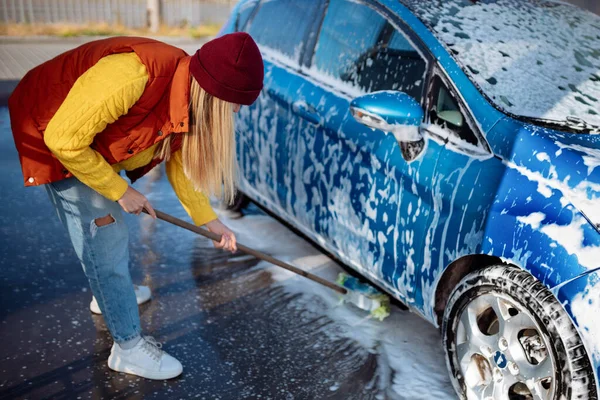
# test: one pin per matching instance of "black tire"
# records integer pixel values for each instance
(517, 296)
(240, 202)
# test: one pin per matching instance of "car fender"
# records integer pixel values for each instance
(537, 220)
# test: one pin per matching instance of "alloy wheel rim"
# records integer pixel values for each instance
(501, 351)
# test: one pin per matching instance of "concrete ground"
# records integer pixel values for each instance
(242, 329)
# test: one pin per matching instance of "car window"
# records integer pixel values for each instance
(359, 46)
(281, 25)
(446, 113)
(245, 12)
(348, 31)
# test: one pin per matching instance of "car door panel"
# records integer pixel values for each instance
(262, 148)
(358, 194)
(264, 143)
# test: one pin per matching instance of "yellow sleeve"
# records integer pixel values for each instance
(195, 203)
(98, 98)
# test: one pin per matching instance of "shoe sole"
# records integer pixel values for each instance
(98, 312)
(116, 365)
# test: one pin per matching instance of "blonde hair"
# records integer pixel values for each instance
(208, 149)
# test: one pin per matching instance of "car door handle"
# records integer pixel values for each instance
(307, 111)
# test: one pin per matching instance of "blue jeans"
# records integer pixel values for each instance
(103, 252)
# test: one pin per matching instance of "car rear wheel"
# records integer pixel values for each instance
(240, 201)
(507, 337)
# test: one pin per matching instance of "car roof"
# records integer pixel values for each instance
(532, 58)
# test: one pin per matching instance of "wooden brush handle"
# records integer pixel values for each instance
(258, 254)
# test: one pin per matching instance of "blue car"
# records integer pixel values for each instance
(449, 152)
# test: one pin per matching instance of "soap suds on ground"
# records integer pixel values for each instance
(410, 359)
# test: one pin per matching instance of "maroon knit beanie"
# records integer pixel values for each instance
(230, 67)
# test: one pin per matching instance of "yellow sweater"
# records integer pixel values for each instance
(98, 98)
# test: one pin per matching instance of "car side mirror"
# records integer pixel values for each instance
(390, 111)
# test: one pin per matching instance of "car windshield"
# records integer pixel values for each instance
(532, 58)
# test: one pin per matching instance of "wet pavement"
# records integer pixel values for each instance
(242, 329)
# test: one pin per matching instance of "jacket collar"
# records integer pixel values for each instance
(178, 103)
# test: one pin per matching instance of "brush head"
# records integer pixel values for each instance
(365, 296)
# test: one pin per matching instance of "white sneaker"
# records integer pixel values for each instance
(145, 359)
(142, 295)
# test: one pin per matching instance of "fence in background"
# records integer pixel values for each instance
(134, 13)
(130, 13)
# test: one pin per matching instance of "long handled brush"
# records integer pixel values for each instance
(353, 291)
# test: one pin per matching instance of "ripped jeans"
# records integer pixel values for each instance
(102, 250)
